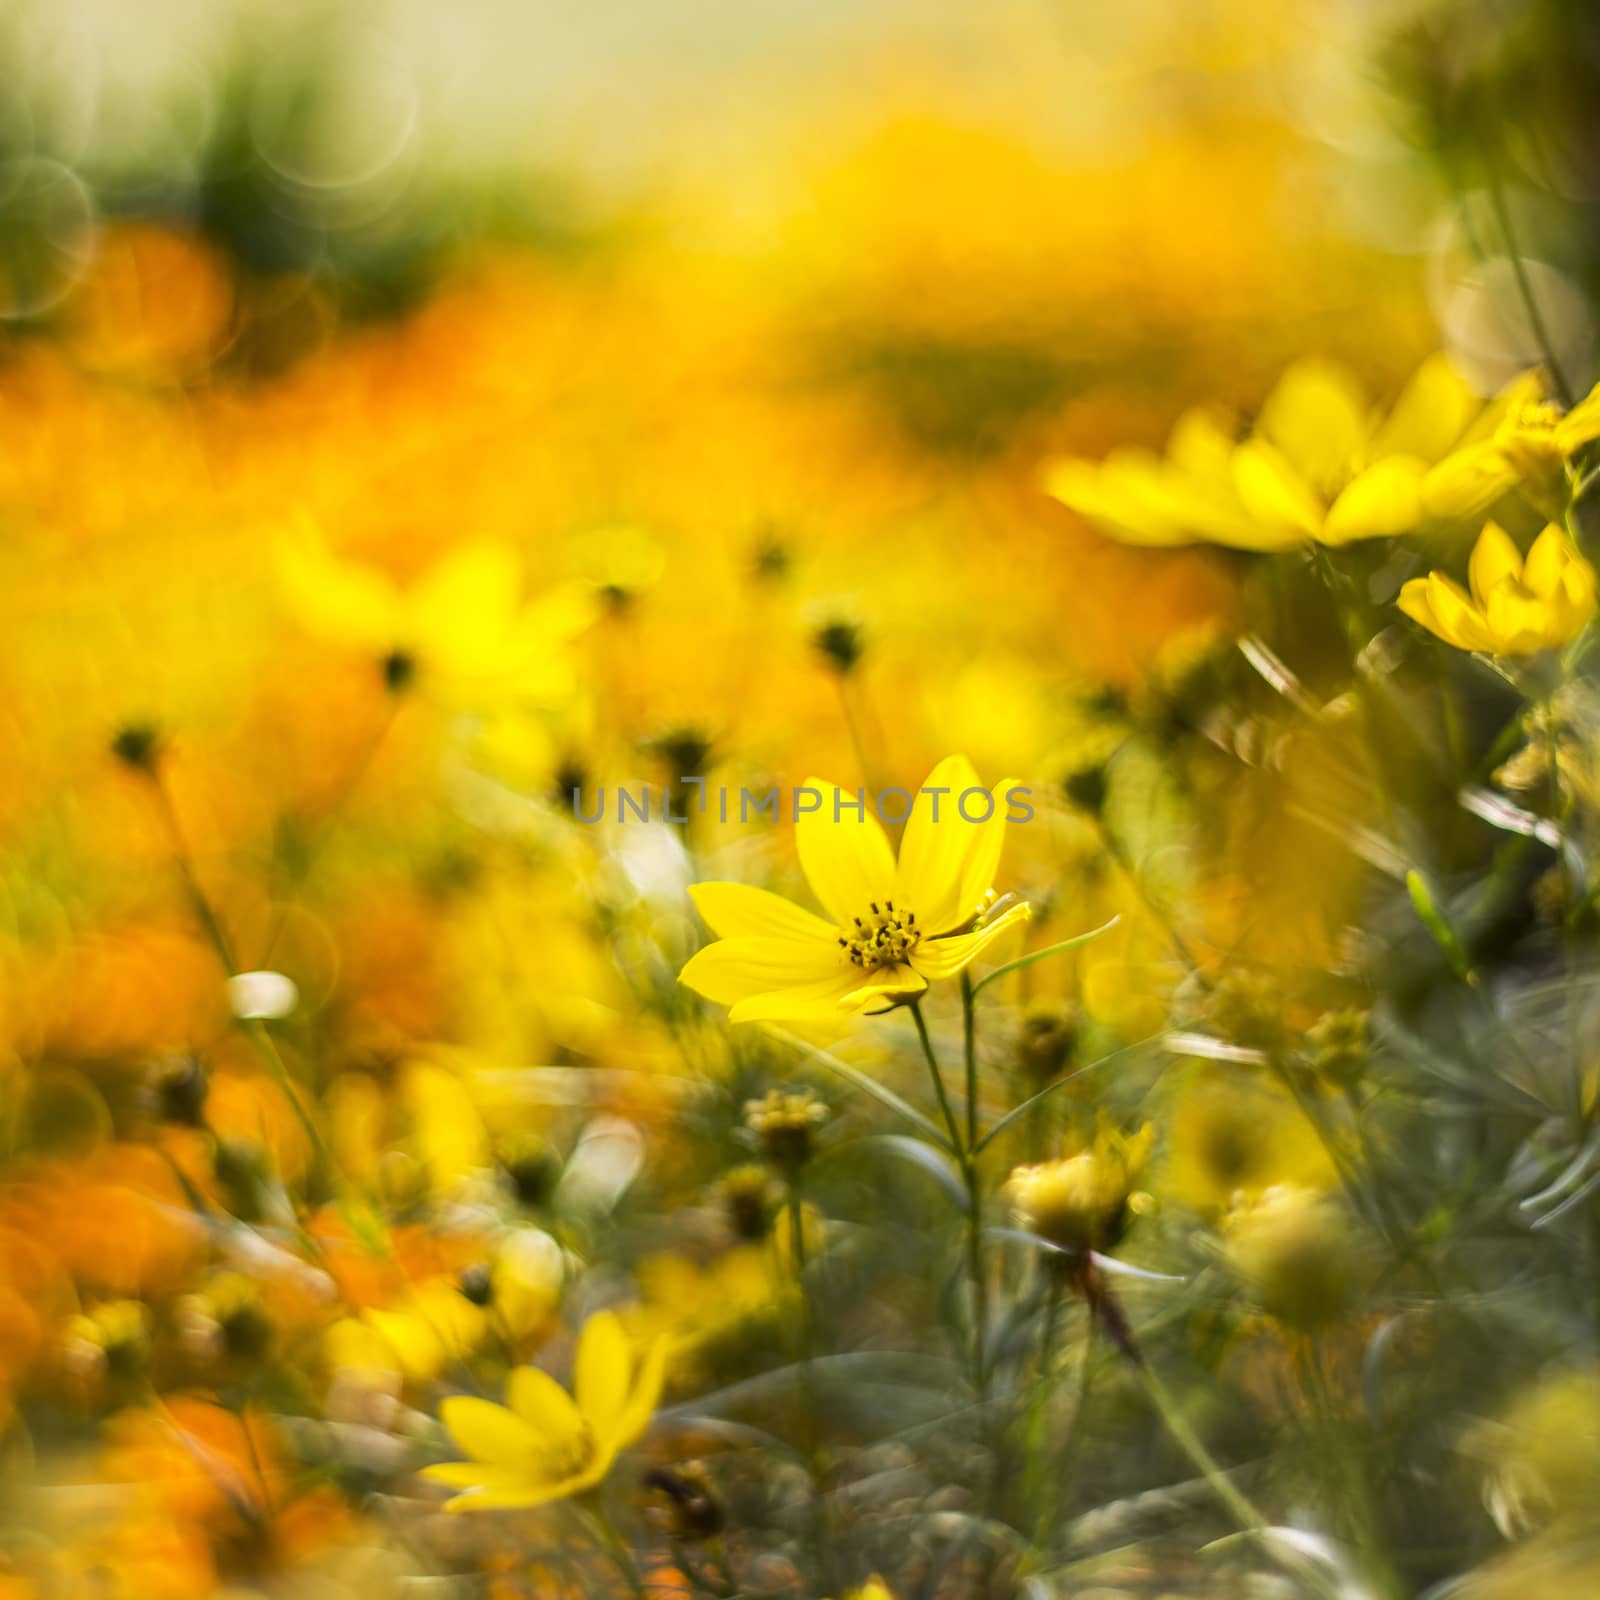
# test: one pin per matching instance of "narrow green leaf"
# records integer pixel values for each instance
(1017, 1112)
(1039, 955)
(1443, 934)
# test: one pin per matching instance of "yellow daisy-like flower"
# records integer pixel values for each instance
(463, 628)
(1516, 607)
(1523, 442)
(891, 927)
(546, 1444)
(1318, 465)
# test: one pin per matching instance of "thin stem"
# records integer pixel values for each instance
(938, 1082)
(1541, 334)
(253, 1029)
(795, 1209)
(1103, 1304)
(1237, 1505)
(966, 1156)
(1356, 1486)
(616, 1545)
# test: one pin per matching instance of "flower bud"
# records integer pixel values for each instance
(1047, 1039)
(1081, 1202)
(1292, 1249)
(786, 1123)
(1338, 1046)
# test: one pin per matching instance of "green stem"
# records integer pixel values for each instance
(1541, 334)
(616, 1546)
(795, 1208)
(966, 1157)
(1103, 1304)
(253, 1028)
(1357, 1487)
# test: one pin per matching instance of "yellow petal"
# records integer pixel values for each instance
(602, 1373)
(1574, 602)
(643, 1398)
(1519, 624)
(846, 857)
(1581, 425)
(734, 969)
(1273, 492)
(447, 1132)
(1384, 500)
(416, 1347)
(1456, 619)
(1434, 410)
(1202, 446)
(1547, 560)
(935, 848)
(463, 613)
(547, 1409)
(345, 604)
(944, 958)
(983, 856)
(735, 911)
(817, 1001)
(1316, 416)
(888, 986)
(1214, 511)
(1112, 497)
(488, 1432)
(507, 1491)
(1468, 482)
(1494, 558)
(1415, 601)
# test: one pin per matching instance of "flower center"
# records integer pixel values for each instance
(882, 938)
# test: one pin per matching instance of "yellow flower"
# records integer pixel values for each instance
(1522, 442)
(1318, 465)
(1231, 1137)
(464, 627)
(891, 927)
(1081, 1202)
(548, 1444)
(1516, 608)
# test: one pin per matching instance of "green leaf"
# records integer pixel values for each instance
(1039, 955)
(1017, 1112)
(1443, 934)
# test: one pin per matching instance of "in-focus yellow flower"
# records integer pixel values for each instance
(1516, 607)
(1523, 442)
(1318, 465)
(546, 1444)
(891, 927)
(464, 627)
(1081, 1201)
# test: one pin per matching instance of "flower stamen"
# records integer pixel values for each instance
(884, 939)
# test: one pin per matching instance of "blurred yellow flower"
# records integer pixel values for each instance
(1540, 1458)
(548, 1444)
(891, 928)
(1523, 442)
(1516, 608)
(1233, 1135)
(463, 628)
(1317, 466)
(1080, 1202)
